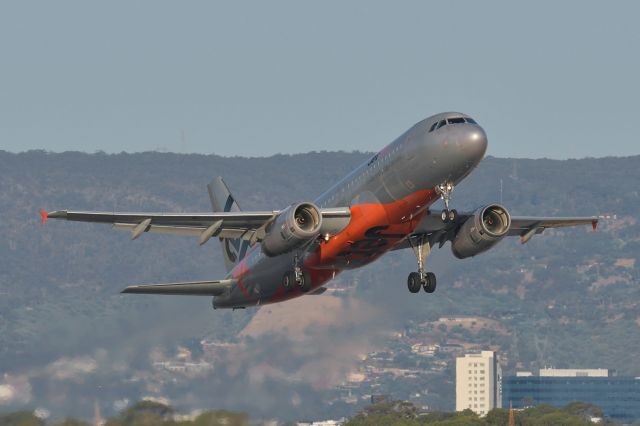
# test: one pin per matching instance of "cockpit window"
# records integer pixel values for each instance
(452, 120)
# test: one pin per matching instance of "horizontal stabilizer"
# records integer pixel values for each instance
(194, 288)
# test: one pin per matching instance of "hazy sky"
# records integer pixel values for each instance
(544, 78)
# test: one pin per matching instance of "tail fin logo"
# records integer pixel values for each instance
(229, 203)
(235, 249)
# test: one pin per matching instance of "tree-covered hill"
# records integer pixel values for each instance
(568, 298)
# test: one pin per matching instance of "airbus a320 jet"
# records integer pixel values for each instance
(383, 205)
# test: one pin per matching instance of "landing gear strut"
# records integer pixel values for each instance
(445, 189)
(296, 277)
(426, 280)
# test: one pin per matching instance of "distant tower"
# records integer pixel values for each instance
(512, 419)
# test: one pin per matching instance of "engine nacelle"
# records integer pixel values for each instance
(294, 226)
(480, 232)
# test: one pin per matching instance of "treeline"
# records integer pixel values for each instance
(144, 413)
(406, 414)
(393, 413)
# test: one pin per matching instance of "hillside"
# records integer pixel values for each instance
(567, 298)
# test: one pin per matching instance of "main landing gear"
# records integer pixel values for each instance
(426, 280)
(445, 189)
(296, 278)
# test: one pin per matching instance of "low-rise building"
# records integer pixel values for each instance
(618, 397)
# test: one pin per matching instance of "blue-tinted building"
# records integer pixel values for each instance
(618, 397)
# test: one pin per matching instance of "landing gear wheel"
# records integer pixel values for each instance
(429, 283)
(288, 280)
(305, 282)
(449, 215)
(413, 282)
(444, 190)
(422, 247)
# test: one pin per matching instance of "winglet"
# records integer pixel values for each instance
(594, 224)
(43, 216)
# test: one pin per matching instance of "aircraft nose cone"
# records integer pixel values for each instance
(474, 145)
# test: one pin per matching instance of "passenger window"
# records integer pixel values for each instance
(442, 123)
(433, 126)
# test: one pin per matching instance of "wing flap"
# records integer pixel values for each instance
(194, 288)
(163, 229)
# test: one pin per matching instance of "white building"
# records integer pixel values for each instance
(574, 372)
(478, 382)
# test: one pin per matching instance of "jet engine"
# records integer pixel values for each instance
(294, 226)
(480, 232)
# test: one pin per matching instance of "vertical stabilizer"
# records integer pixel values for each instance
(233, 249)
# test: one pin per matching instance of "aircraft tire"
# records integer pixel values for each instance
(413, 282)
(305, 283)
(288, 280)
(444, 216)
(452, 215)
(430, 282)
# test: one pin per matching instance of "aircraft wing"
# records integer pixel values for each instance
(245, 225)
(194, 288)
(525, 227)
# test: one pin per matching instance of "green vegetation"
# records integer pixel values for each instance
(72, 422)
(405, 414)
(144, 413)
(388, 413)
(20, 418)
(147, 413)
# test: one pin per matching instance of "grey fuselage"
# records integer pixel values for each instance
(388, 193)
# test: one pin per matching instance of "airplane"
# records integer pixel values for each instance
(382, 205)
